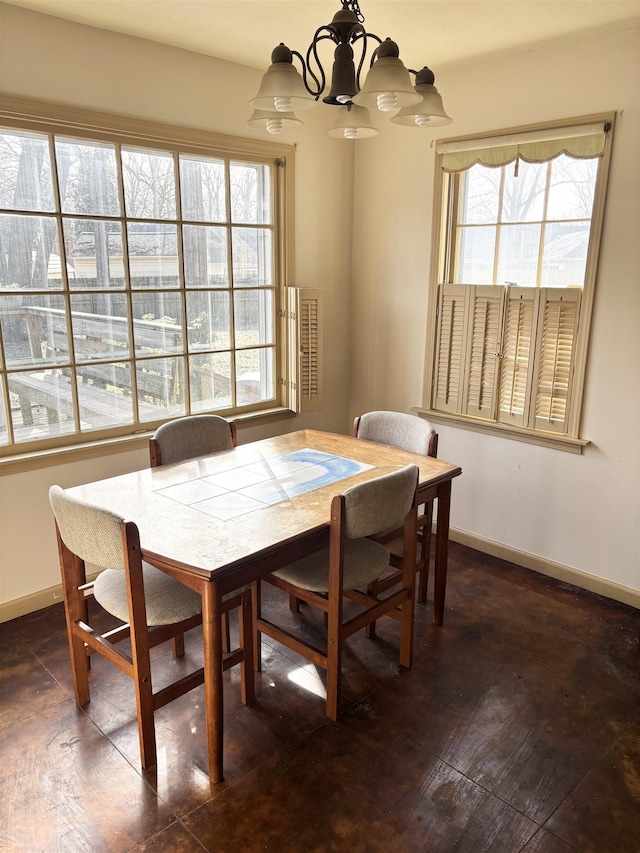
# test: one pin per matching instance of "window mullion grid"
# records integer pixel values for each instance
(182, 282)
(6, 397)
(66, 293)
(543, 225)
(280, 272)
(231, 287)
(125, 292)
(126, 268)
(496, 253)
(450, 263)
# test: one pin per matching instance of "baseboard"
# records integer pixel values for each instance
(609, 589)
(34, 601)
(29, 603)
(601, 586)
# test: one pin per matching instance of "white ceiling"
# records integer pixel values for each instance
(428, 32)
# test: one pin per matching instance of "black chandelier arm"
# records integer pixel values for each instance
(305, 71)
(322, 34)
(364, 36)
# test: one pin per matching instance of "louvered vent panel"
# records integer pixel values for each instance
(309, 343)
(304, 317)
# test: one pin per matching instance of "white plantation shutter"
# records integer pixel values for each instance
(304, 325)
(517, 350)
(486, 330)
(506, 354)
(469, 330)
(560, 311)
(450, 346)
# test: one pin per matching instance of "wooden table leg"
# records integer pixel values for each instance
(212, 641)
(442, 552)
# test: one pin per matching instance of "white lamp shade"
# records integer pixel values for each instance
(387, 77)
(429, 112)
(273, 121)
(353, 123)
(282, 89)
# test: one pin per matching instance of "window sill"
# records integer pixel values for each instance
(17, 463)
(542, 439)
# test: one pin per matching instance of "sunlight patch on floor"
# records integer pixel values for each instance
(307, 678)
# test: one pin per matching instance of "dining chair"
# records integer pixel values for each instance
(407, 432)
(352, 560)
(150, 606)
(185, 438)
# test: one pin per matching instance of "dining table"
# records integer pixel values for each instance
(221, 521)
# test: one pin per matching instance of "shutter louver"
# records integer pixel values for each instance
(560, 311)
(304, 316)
(516, 368)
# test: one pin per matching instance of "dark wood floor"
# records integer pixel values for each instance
(518, 729)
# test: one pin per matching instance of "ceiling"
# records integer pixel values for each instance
(428, 32)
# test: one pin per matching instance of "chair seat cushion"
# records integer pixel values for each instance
(167, 600)
(364, 561)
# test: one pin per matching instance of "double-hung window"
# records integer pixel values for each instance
(519, 219)
(141, 277)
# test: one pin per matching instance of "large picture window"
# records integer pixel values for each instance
(139, 281)
(520, 222)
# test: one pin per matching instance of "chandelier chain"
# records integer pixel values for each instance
(353, 6)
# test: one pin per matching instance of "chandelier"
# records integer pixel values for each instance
(387, 87)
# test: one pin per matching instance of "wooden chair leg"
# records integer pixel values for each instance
(226, 634)
(146, 727)
(334, 622)
(76, 609)
(80, 668)
(334, 667)
(370, 629)
(144, 703)
(177, 645)
(246, 634)
(294, 604)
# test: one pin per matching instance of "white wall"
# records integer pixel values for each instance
(53, 60)
(580, 511)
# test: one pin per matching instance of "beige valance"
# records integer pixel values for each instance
(540, 146)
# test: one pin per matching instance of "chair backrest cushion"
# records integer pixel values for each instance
(186, 438)
(379, 504)
(408, 432)
(92, 533)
